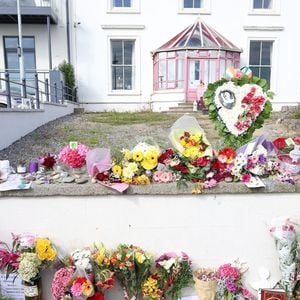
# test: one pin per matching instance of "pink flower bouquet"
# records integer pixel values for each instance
(230, 283)
(74, 158)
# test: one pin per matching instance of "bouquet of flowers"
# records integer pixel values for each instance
(284, 233)
(61, 283)
(189, 139)
(81, 287)
(185, 169)
(103, 276)
(221, 164)
(82, 259)
(285, 145)
(172, 274)
(86, 276)
(131, 265)
(9, 258)
(36, 254)
(47, 161)
(138, 164)
(73, 157)
(206, 281)
(230, 283)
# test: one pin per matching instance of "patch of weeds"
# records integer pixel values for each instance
(127, 118)
(297, 115)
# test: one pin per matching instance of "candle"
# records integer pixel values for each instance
(5, 167)
(33, 167)
(21, 168)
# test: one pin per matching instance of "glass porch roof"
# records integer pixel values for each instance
(196, 36)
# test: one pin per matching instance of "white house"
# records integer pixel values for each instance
(114, 41)
(138, 54)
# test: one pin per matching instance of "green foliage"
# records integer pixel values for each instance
(230, 139)
(69, 74)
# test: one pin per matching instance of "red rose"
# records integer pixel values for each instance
(166, 155)
(280, 143)
(102, 176)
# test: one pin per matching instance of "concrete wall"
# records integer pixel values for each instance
(212, 229)
(155, 22)
(16, 123)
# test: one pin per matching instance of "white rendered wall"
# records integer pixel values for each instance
(161, 21)
(212, 229)
(20, 120)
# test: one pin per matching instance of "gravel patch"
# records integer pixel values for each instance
(51, 137)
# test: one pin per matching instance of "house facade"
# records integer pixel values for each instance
(114, 46)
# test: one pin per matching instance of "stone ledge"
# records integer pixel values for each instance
(94, 189)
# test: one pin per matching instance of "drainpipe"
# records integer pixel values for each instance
(68, 30)
(20, 48)
(49, 43)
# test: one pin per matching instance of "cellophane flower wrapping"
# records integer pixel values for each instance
(81, 286)
(98, 160)
(189, 139)
(284, 233)
(206, 281)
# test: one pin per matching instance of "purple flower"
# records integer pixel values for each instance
(262, 159)
(231, 286)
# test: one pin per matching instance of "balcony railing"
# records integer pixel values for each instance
(33, 11)
(27, 3)
(35, 89)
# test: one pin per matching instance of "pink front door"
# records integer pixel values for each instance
(194, 75)
(199, 69)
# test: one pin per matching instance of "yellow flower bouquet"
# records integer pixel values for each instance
(189, 139)
(137, 165)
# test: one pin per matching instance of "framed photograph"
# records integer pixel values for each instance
(272, 294)
(227, 99)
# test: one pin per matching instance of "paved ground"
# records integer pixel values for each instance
(87, 129)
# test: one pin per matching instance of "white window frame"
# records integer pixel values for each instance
(135, 9)
(137, 66)
(274, 58)
(205, 10)
(274, 11)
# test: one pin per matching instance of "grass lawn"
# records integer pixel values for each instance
(129, 118)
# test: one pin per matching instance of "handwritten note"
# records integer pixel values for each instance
(11, 287)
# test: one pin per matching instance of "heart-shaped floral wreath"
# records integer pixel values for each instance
(238, 106)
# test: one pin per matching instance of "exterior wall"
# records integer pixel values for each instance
(157, 22)
(37, 118)
(211, 229)
(40, 32)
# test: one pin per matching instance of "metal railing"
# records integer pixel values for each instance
(30, 93)
(27, 3)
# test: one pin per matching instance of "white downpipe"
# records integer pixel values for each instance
(20, 48)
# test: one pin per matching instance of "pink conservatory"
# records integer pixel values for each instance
(198, 53)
